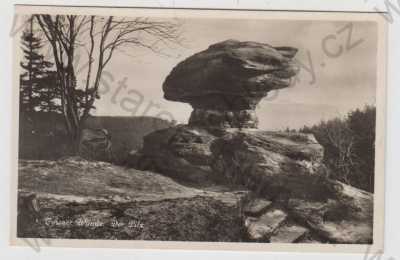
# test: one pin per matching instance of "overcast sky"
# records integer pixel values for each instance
(341, 83)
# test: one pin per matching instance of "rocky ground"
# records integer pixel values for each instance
(74, 198)
(293, 195)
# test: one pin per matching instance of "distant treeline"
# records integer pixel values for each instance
(349, 145)
(42, 135)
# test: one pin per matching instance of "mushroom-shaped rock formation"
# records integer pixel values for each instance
(225, 82)
(284, 170)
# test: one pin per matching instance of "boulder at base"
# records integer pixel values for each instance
(284, 170)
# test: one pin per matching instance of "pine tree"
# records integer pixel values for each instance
(38, 90)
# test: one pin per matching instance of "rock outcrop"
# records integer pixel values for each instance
(292, 198)
(75, 198)
(225, 82)
(284, 171)
(182, 152)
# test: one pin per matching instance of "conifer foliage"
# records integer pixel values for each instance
(38, 88)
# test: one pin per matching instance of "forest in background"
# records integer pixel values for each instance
(349, 146)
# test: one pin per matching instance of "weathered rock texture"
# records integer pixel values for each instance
(283, 168)
(75, 198)
(182, 152)
(292, 199)
(225, 82)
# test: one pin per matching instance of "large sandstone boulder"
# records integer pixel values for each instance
(292, 198)
(283, 170)
(182, 152)
(225, 82)
(241, 72)
(269, 161)
(287, 169)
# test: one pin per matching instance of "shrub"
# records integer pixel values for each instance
(349, 145)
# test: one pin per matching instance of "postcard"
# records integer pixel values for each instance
(199, 129)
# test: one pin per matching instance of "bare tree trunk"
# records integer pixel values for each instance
(111, 33)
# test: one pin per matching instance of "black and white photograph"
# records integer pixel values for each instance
(249, 129)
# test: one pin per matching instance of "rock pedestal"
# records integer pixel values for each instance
(222, 145)
(223, 119)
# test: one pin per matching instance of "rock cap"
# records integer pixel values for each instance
(231, 75)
